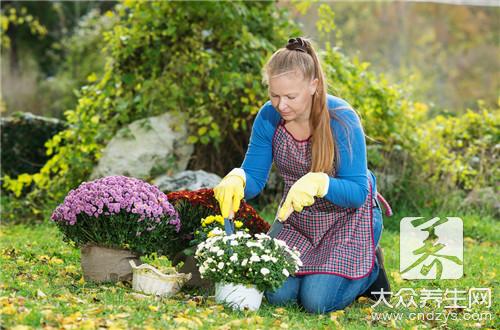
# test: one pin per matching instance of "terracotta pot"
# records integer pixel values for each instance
(103, 264)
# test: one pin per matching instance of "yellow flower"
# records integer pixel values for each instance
(219, 219)
(238, 224)
(210, 234)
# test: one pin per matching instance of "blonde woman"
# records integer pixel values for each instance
(317, 144)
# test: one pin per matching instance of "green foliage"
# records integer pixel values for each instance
(200, 62)
(162, 263)
(461, 151)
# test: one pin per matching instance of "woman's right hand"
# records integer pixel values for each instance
(230, 191)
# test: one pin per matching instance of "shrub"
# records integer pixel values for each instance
(461, 151)
(171, 56)
(118, 211)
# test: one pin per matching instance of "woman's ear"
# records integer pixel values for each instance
(313, 86)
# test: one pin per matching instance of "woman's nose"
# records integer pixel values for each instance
(282, 104)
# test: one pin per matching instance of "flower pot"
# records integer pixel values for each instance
(102, 264)
(149, 280)
(238, 296)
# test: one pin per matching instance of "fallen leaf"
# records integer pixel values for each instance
(153, 308)
(40, 294)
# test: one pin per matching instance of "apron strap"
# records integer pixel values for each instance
(387, 207)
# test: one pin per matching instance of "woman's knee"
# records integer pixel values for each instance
(286, 294)
(320, 304)
(280, 298)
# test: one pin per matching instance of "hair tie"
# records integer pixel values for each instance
(297, 44)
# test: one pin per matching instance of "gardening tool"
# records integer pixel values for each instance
(229, 224)
(278, 223)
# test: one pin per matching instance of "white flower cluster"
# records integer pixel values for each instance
(239, 257)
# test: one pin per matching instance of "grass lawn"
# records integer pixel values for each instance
(41, 286)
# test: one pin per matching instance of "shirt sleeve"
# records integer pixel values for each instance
(349, 187)
(259, 155)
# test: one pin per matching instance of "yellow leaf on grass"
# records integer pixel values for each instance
(8, 310)
(55, 261)
(397, 277)
(280, 310)
(153, 308)
(20, 327)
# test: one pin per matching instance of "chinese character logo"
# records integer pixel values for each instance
(431, 249)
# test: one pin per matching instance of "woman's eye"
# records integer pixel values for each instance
(291, 98)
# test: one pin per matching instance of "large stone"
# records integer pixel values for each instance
(145, 149)
(23, 137)
(485, 199)
(187, 180)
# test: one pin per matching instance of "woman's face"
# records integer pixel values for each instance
(291, 95)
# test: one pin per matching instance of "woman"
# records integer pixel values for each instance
(317, 144)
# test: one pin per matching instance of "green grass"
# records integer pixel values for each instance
(41, 286)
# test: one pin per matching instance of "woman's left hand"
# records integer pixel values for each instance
(302, 192)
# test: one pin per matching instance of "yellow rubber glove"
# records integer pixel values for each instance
(230, 191)
(302, 192)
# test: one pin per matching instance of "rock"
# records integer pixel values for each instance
(484, 198)
(187, 180)
(23, 137)
(145, 149)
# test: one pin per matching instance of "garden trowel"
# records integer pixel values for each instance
(229, 224)
(278, 223)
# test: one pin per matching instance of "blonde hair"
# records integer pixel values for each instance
(300, 55)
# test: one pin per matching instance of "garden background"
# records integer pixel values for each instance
(424, 78)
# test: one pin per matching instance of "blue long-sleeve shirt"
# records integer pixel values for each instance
(349, 187)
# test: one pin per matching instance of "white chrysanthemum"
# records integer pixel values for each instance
(234, 257)
(264, 271)
(285, 272)
(234, 242)
(214, 249)
(262, 236)
(265, 257)
(219, 253)
(254, 258)
(274, 259)
(244, 262)
(220, 265)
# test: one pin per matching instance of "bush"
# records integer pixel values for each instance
(165, 56)
(461, 151)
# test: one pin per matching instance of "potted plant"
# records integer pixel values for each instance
(113, 220)
(157, 276)
(243, 267)
(192, 207)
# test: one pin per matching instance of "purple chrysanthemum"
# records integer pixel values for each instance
(113, 194)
